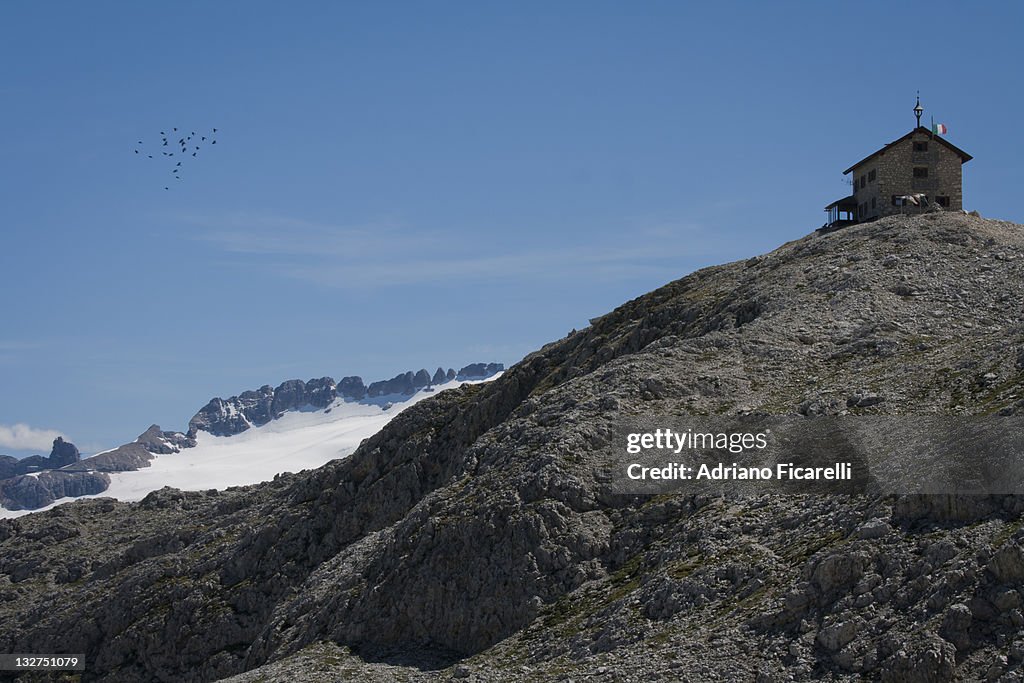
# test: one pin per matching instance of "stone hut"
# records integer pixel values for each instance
(908, 175)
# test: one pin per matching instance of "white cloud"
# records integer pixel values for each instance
(388, 253)
(23, 438)
(14, 351)
(256, 234)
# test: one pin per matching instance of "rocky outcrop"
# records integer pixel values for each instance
(478, 536)
(137, 454)
(160, 442)
(479, 371)
(30, 492)
(126, 458)
(352, 388)
(235, 415)
(8, 466)
(320, 393)
(63, 453)
(421, 379)
(399, 384)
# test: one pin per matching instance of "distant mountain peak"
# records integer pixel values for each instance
(234, 415)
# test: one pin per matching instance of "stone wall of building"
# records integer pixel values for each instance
(898, 165)
(866, 189)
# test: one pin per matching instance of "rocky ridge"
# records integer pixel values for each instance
(234, 415)
(477, 537)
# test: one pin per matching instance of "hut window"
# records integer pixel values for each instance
(920, 171)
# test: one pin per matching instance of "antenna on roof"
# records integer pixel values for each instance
(918, 109)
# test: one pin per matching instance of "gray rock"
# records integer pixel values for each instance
(63, 453)
(956, 624)
(352, 387)
(9, 466)
(1007, 564)
(863, 399)
(160, 442)
(834, 637)
(838, 571)
(290, 395)
(235, 415)
(928, 660)
(479, 370)
(25, 492)
(421, 379)
(321, 392)
(399, 384)
(126, 458)
(875, 528)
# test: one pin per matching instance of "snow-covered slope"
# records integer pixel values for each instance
(298, 440)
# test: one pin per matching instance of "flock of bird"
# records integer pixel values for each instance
(186, 147)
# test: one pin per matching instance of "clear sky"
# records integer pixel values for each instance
(403, 185)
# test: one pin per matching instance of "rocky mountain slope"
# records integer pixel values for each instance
(477, 536)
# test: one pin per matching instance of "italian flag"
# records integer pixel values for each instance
(939, 128)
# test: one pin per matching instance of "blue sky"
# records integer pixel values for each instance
(402, 185)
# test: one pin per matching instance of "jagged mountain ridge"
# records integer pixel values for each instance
(477, 526)
(226, 417)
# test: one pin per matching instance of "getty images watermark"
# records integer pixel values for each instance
(849, 454)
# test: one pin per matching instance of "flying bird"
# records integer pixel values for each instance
(183, 143)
